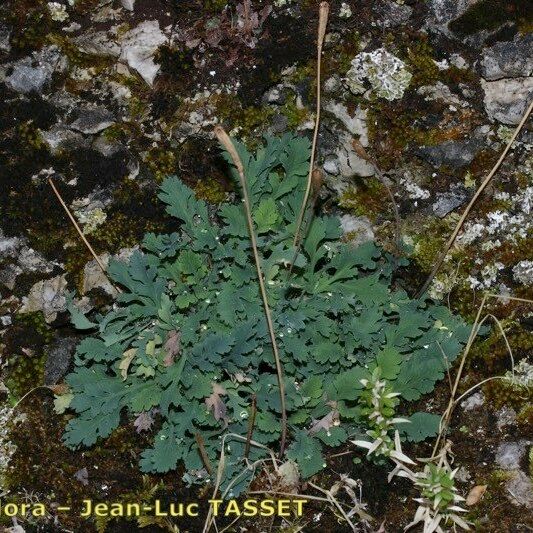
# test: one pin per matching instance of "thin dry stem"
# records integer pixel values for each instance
(225, 140)
(478, 322)
(76, 225)
(251, 424)
(481, 188)
(322, 23)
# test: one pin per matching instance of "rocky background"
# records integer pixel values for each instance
(107, 97)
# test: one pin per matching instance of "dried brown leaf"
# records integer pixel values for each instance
(475, 494)
(215, 403)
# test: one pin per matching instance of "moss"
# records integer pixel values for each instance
(215, 6)
(30, 136)
(364, 199)
(503, 392)
(76, 57)
(25, 344)
(174, 60)
(161, 162)
(420, 59)
(296, 116)
(210, 190)
(31, 22)
(429, 243)
(254, 118)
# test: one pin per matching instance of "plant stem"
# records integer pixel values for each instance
(322, 23)
(75, 224)
(225, 140)
(481, 188)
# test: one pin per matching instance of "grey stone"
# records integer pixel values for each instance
(9, 274)
(33, 74)
(60, 138)
(356, 124)
(139, 47)
(47, 296)
(27, 77)
(128, 4)
(107, 147)
(94, 278)
(520, 489)
(392, 14)
(455, 154)
(441, 92)
(506, 416)
(506, 100)
(92, 120)
(5, 34)
(279, 124)
(331, 166)
(351, 164)
(473, 402)
(9, 246)
(98, 43)
(59, 359)
(359, 228)
(509, 454)
(448, 201)
(511, 59)
(442, 12)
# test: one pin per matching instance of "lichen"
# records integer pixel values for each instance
(387, 75)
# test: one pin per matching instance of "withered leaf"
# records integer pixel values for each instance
(326, 423)
(172, 347)
(475, 494)
(144, 422)
(127, 358)
(82, 476)
(215, 403)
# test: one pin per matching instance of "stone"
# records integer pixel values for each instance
(278, 124)
(508, 59)
(9, 274)
(94, 278)
(441, 93)
(98, 43)
(350, 163)
(359, 229)
(473, 402)
(28, 78)
(47, 296)
(92, 120)
(442, 12)
(509, 454)
(128, 4)
(59, 138)
(506, 100)
(455, 154)
(33, 74)
(392, 14)
(5, 35)
(506, 416)
(356, 124)
(520, 489)
(139, 47)
(449, 201)
(59, 359)
(331, 166)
